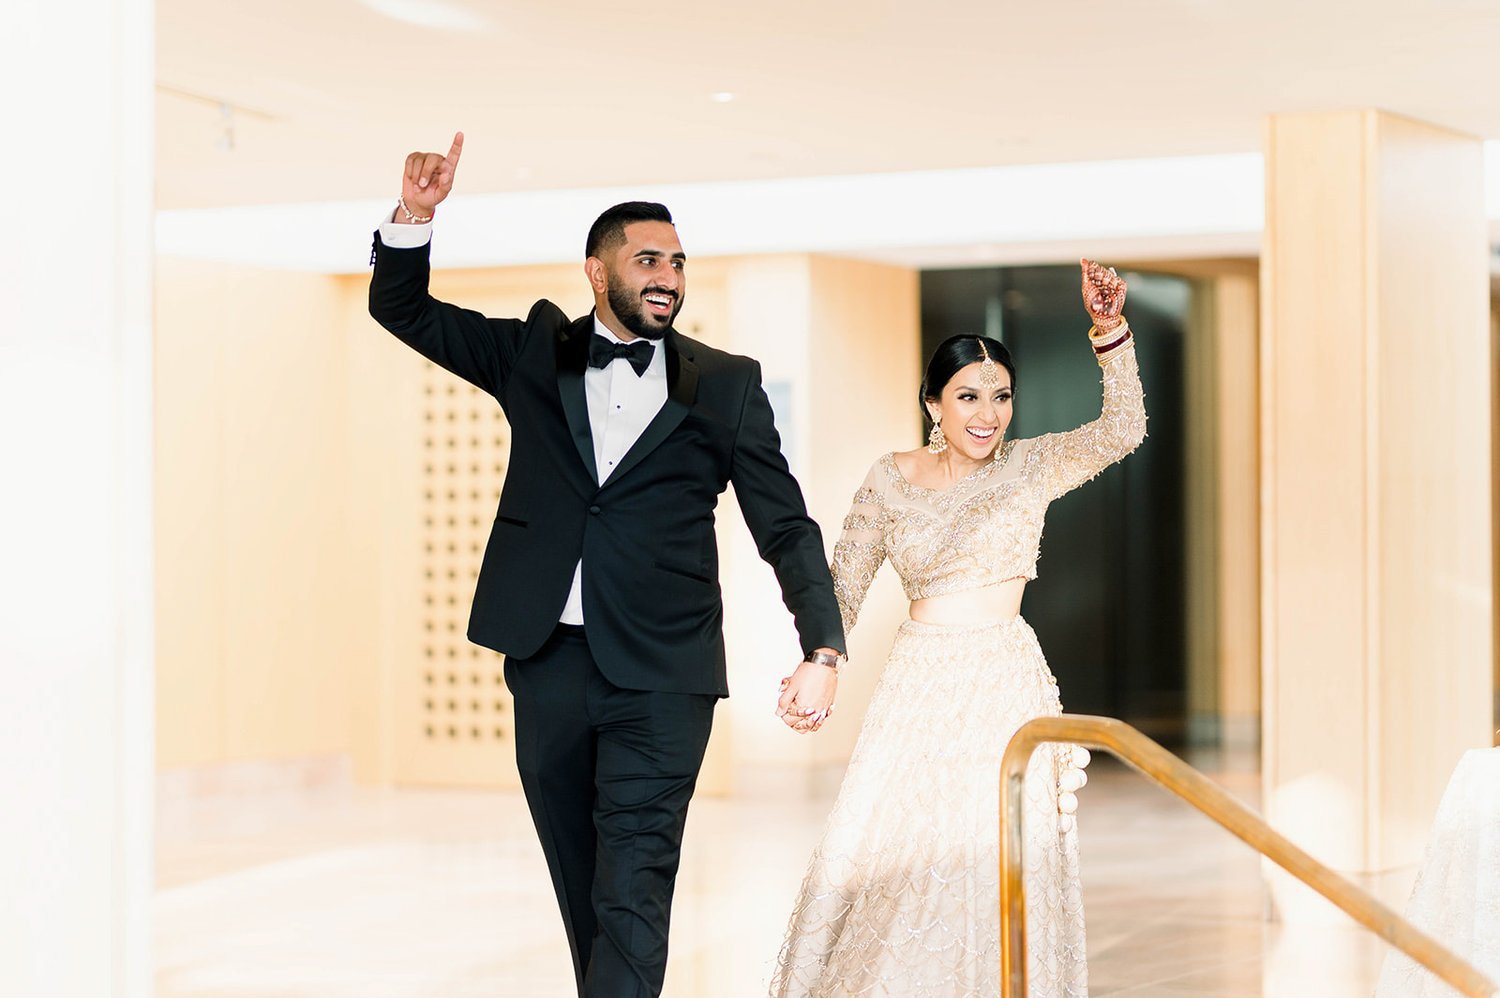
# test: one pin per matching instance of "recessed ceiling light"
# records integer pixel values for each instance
(440, 14)
(721, 97)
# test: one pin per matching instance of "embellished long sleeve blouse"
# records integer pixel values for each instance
(987, 528)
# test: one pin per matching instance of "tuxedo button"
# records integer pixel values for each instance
(594, 510)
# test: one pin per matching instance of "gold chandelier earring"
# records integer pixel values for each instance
(936, 441)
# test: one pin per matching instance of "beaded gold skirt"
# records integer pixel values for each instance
(903, 892)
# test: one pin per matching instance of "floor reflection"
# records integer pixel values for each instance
(343, 893)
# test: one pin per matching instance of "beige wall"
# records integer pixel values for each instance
(844, 337)
(865, 371)
(290, 547)
(260, 619)
(392, 392)
(293, 608)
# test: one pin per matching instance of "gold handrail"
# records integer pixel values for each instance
(1161, 766)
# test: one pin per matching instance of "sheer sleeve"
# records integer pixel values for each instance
(860, 549)
(1067, 460)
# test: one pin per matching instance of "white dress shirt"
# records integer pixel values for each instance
(397, 235)
(620, 407)
(621, 404)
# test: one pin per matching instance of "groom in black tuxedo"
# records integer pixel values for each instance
(600, 581)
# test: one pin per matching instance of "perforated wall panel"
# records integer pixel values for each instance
(459, 709)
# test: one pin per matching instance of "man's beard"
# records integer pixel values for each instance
(631, 310)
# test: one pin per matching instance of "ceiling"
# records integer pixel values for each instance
(328, 96)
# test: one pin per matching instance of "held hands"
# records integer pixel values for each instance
(807, 697)
(1103, 294)
(429, 178)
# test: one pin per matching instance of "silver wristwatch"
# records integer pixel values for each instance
(824, 658)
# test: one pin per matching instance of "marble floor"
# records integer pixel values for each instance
(359, 893)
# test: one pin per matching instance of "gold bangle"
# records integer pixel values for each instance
(1096, 334)
(1110, 343)
(411, 216)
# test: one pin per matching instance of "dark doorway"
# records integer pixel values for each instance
(1109, 602)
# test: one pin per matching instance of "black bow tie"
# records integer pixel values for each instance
(638, 352)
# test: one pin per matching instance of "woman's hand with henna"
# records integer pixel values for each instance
(1103, 294)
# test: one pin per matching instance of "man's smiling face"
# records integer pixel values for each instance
(647, 279)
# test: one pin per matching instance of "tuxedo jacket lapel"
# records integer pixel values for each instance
(572, 361)
(682, 391)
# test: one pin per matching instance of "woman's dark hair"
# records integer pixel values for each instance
(953, 355)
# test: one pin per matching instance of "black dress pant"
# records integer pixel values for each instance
(608, 774)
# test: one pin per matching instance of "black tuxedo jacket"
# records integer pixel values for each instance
(651, 597)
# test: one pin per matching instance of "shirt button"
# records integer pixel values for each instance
(594, 510)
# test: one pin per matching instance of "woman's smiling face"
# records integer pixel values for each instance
(974, 418)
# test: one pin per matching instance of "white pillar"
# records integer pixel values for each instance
(75, 500)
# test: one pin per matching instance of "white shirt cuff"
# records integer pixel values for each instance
(398, 236)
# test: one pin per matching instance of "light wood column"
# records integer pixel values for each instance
(1375, 469)
(838, 341)
(1236, 439)
(1223, 498)
(1495, 484)
(75, 511)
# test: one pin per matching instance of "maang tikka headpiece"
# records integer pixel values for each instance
(989, 371)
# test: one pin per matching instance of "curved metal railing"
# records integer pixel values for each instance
(1164, 768)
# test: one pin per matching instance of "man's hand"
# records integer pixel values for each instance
(807, 697)
(429, 178)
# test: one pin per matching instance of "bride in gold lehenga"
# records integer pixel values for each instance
(902, 895)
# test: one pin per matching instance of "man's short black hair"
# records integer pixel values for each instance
(608, 230)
